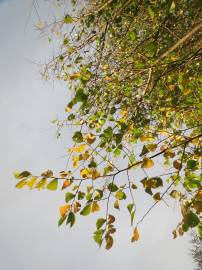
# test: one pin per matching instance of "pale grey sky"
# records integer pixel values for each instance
(29, 236)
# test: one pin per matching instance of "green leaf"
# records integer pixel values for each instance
(97, 236)
(100, 222)
(130, 207)
(120, 195)
(89, 196)
(21, 184)
(116, 205)
(112, 187)
(61, 220)
(199, 230)
(191, 164)
(132, 215)
(86, 210)
(16, 174)
(149, 191)
(68, 19)
(192, 219)
(81, 195)
(69, 196)
(71, 219)
(77, 137)
(41, 184)
(151, 13)
(133, 35)
(53, 184)
(144, 151)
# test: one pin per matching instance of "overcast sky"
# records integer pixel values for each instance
(29, 236)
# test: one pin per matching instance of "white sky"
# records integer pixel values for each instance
(29, 236)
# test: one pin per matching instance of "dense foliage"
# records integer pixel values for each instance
(134, 72)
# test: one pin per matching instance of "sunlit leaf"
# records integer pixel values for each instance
(64, 209)
(147, 163)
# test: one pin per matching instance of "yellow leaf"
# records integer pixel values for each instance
(95, 207)
(75, 187)
(174, 194)
(135, 235)
(85, 173)
(146, 138)
(95, 174)
(21, 184)
(74, 76)
(147, 163)
(67, 109)
(64, 174)
(31, 183)
(86, 155)
(75, 160)
(169, 153)
(78, 149)
(64, 209)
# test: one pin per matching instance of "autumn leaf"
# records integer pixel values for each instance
(74, 76)
(64, 209)
(90, 138)
(47, 174)
(31, 182)
(109, 242)
(135, 236)
(95, 174)
(174, 194)
(147, 163)
(66, 184)
(157, 196)
(95, 207)
(177, 164)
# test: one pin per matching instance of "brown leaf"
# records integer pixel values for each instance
(157, 196)
(177, 164)
(109, 242)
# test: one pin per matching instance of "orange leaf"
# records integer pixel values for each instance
(64, 209)
(66, 183)
(147, 163)
(135, 235)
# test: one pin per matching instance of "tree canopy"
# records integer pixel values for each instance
(133, 70)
